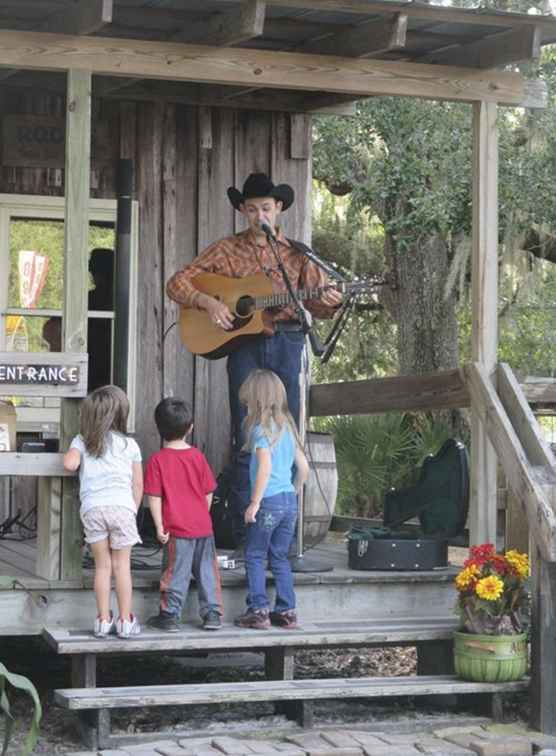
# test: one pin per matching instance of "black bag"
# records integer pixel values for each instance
(221, 512)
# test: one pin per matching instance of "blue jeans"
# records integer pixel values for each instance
(282, 354)
(182, 558)
(269, 539)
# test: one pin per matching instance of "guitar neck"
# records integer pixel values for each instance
(284, 298)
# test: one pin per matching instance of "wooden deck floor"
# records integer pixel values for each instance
(28, 603)
(17, 560)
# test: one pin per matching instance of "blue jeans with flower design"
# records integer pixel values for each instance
(268, 540)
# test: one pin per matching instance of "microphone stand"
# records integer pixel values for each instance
(299, 563)
(317, 346)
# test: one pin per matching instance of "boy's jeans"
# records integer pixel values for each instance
(269, 539)
(182, 558)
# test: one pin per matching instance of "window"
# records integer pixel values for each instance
(31, 293)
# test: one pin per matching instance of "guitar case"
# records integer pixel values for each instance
(439, 500)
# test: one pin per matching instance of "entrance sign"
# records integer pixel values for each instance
(43, 374)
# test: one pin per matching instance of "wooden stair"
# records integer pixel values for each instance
(432, 636)
(80, 699)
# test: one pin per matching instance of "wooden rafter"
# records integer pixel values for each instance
(363, 41)
(231, 27)
(496, 50)
(263, 69)
(239, 24)
(85, 17)
(436, 13)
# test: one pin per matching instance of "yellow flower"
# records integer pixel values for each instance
(489, 588)
(519, 562)
(467, 577)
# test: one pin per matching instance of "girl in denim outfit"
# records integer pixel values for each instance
(272, 439)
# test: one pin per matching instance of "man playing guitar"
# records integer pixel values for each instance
(246, 254)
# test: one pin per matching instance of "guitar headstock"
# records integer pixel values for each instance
(366, 285)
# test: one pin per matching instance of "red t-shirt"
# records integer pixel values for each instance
(182, 478)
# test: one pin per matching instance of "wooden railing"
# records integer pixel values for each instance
(525, 457)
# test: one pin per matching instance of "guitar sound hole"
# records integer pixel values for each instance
(244, 306)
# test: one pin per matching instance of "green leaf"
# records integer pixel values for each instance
(19, 682)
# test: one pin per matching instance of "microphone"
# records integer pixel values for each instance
(268, 230)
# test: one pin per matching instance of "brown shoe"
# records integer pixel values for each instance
(255, 619)
(285, 620)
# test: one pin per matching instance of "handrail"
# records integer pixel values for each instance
(519, 470)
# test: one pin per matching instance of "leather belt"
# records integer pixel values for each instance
(287, 325)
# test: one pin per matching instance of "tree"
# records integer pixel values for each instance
(405, 166)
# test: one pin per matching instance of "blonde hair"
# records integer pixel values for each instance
(105, 409)
(264, 395)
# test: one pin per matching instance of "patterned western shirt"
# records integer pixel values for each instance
(244, 255)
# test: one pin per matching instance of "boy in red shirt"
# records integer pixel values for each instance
(179, 484)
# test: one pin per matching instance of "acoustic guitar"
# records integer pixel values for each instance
(249, 300)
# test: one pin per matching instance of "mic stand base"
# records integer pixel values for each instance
(303, 563)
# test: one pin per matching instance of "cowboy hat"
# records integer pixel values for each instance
(259, 185)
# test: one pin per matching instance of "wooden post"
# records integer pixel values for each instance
(76, 285)
(482, 525)
(543, 643)
(48, 528)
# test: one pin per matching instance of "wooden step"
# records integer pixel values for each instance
(393, 630)
(280, 690)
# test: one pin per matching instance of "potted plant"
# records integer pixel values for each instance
(491, 645)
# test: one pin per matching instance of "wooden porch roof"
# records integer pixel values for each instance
(365, 30)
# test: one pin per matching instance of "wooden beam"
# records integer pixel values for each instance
(84, 17)
(44, 465)
(542, 693)
(541, 391)
(76, 285)
(435, 13)
(363, 41)
(444, 390)
(499, 49)
(521, 477)
(48, 528)
(484, 283)
(261, 68)
(225, 97)
(232, 27)
(524, 422)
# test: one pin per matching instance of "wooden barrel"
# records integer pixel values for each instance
(319, 499)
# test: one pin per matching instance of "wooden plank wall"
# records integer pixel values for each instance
(185, 159)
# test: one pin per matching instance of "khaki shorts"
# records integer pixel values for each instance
(118, 524)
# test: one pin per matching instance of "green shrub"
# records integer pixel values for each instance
(377, 452)
(19, 683)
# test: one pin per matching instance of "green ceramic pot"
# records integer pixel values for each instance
(490, 658)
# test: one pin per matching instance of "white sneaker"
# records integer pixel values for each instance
(104, 627)
(125, 627)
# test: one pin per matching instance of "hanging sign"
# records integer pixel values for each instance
(38, 141)
(43, 374)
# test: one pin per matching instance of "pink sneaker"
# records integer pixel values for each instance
(127, 627)
(104, 627)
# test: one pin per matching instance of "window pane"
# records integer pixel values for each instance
(26, 333)
(36, 263)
